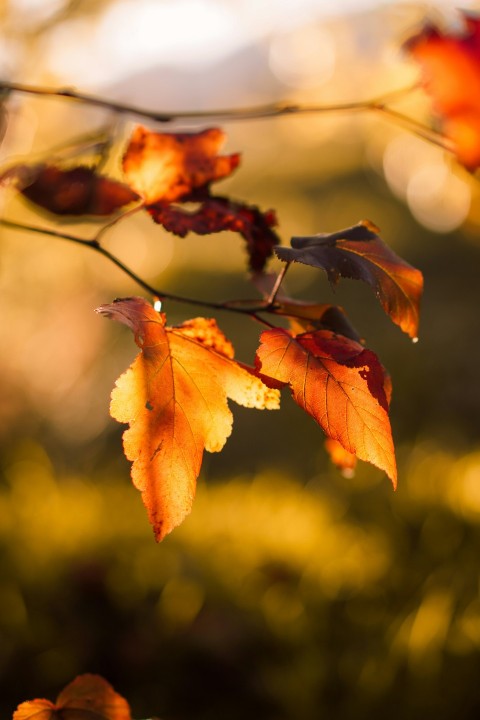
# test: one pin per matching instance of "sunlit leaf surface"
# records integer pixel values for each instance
(340, 384)
(174, 396)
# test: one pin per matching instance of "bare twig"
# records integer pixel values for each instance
(93, 244)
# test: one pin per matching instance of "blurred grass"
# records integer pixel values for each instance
(273, 600)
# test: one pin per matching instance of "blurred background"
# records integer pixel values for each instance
(291, 592)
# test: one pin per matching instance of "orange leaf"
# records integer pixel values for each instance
(358, 252)
(174, 397)
(341, 458)
(164, 167)
(77, 191)
(216, 214)
(450, 67)
(340, 384)
(88, 697)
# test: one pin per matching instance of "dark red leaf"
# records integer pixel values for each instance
(216, 214)
(77, 191)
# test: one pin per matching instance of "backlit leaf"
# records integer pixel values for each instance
(77, 191)
(164, 167)
(450, 65)
(340, 384)
(174, 397)
(359, 253)
(216, 214)
(88, 697)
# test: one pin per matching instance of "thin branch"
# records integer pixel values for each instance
(251, 113)
(378, 105)
(93, 244)
(415, 127)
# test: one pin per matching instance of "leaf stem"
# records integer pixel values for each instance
(276, 287)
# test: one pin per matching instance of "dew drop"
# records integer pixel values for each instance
(415, 340)
(157, 305)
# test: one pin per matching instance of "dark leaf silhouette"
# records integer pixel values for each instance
(359, 253)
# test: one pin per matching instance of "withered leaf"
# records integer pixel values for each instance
(359, 253)
(165, 167)
(88, 697)
(216, 214)
(76, 191)
(450, 66)
(174, 397)
(340, 384)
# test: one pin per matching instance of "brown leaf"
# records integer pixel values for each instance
(216, 214)
(358, 252)
(165, 167)
(88, 697)
(174, 397)
(307, 317)
(340, 384)
(450, 65)
(77, 191)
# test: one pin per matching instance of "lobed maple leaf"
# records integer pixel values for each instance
(88, 697)
(164, 167)
(216, 214)
(76, 191)
(340, 384)
(174, 397)
(359, 253)
(450, 65)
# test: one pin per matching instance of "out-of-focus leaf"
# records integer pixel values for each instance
(359, 253)
(340, 384)
(450, 65)
(216, 214)
(88, 697)
(164, 167)
(345, 461)
(77, 191)
(174, 397)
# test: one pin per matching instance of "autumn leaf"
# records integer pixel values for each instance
(340, 384)
(307, 317)
(174, 397)
(216, 214)
(88, 697)
(77, 191)
(450, 66)
(345, 461)
(359, 253)
(165, 167)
